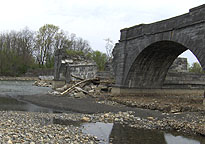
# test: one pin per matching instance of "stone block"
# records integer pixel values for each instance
(58, 84)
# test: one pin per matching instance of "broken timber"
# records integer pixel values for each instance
(77, 84)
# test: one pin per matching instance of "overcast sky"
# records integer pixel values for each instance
(93, 20)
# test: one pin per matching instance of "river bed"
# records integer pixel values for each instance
(105, 132)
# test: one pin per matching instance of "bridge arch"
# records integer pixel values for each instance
(145, 52)
(151, 65)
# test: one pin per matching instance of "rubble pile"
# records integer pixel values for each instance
(44, 81)
(84, 87)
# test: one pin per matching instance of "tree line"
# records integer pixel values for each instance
(27, 49)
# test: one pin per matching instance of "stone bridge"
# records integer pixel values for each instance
(146, 51)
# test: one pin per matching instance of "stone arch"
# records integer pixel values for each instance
(151, 65)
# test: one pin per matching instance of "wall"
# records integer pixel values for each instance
(83, 70)
(184, 80)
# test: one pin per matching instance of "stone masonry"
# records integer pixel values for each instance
(145, 52)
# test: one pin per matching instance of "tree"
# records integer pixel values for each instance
(46, 43)
(16, 50)
(50, 38)
(25, 49)
(100, 59)
(196, 68)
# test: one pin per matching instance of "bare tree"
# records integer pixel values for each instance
(109, 47)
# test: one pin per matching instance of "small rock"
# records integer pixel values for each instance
(150, 118)
(106, 115)
(9, 142)
(85, 119)
(79, 95)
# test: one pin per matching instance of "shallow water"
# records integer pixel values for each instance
(12, 104)
(9, 90)
(16, 88)
(119, 134)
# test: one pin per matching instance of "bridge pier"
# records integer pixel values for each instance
(157, 92)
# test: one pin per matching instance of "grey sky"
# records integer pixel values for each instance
(93, 20)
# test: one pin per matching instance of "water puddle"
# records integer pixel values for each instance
(119, 134)
(100, 130)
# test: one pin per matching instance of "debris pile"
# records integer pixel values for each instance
(84, 87)
(44, 81)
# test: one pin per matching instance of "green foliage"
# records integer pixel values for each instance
(196, 68)
(100, 59)
(74, 53)
(13, 64)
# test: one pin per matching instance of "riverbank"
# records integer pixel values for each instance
(111, 111)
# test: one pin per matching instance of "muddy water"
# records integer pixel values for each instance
(105, 132)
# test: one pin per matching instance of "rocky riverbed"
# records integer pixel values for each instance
(34, 127)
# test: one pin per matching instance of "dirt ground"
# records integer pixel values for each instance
(171, 104)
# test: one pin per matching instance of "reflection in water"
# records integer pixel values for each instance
(119, 134)
(170, 139)
(9, 104)
(123, 134)
(98, 129)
